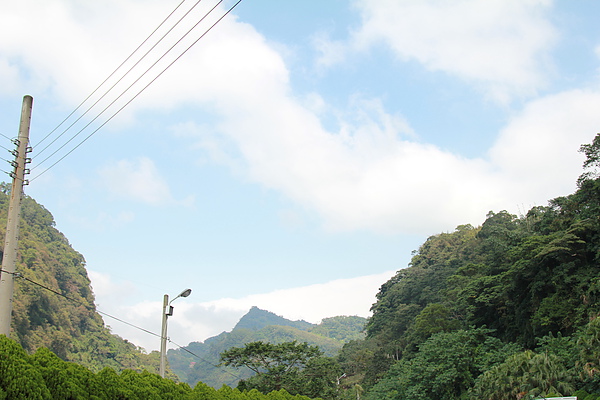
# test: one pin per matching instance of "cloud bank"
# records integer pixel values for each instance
(373, 173)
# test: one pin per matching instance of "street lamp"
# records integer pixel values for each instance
(167, 312)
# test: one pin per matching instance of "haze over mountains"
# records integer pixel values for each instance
(198, 361)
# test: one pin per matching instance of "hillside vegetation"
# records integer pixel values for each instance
(507, 310)
(67, 324)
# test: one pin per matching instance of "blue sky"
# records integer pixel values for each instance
(300, 151)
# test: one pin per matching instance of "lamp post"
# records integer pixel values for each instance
(167, 311)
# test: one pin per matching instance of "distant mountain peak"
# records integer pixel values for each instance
(257, 319)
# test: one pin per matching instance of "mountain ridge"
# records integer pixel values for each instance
(198, 360)
(256, 319)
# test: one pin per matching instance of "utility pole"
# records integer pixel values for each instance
(163, 336)
(11, 242)
(167, 311)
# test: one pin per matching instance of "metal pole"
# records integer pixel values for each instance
(11, 242)
(163, 337)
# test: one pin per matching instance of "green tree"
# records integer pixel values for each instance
(63, 380)
(297, 367)
(524, 374)
(432, 319)
(445, 366)
(19, 379)
(591, 165)
(320, 378)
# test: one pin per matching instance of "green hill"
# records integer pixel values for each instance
(198, 361)
(67, 324)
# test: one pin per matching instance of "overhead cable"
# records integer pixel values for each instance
(133, 98)
(89, 307)
(118, 81)
(112, 73)
(204, 360)
(92, 308)
(122, 93)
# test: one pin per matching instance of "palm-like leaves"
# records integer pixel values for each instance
(522, 376)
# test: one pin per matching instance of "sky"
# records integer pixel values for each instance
(293, 156)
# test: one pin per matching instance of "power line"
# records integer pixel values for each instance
(112, 73)
(123, 92)
(204, 360)
(133, 98)
(92, 308)
(11, 139)
(2, 134)
(119, 80)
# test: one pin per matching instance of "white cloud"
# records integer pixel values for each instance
(110, 294)
(367, 176)
(137, 180)
(538, 149)
(331, 52)
(497, 45)
(199, 321)
(312, 303)
(372, 173)
(11, 77)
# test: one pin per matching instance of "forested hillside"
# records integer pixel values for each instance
(67, 324)
(198, 362)
(507, 310)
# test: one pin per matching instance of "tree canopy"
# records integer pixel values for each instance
(296, 367)
(531, 281)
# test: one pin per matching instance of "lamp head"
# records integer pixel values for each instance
(185, 293)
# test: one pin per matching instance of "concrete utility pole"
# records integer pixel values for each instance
(163, 336)
(11, 243)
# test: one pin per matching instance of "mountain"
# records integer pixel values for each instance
(257, 319)
(53, 303)
(199, 360)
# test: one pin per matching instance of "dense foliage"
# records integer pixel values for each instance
(296, 367)
(67, 324)
(44, 376)
(507, 310)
